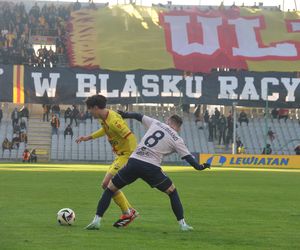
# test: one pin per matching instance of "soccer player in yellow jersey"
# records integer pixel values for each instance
(123, 143)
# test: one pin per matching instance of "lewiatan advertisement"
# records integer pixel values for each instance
(253, 161)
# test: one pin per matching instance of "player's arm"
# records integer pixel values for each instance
(185, 154)
(146, 120)
(96, 134)
(131, 115)
(191, 160)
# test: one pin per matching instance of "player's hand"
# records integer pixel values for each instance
(206, 165)
(202, 166)
(82, 138)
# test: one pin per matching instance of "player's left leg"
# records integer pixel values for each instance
(169, 188)
(124, 177)
(103, 205)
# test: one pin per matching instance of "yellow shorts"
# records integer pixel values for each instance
(117, 164)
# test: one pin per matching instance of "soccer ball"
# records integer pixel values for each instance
(66, 216)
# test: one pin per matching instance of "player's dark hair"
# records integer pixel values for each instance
(96, 100)
(176, 119)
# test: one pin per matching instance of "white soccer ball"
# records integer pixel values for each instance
(66, 216)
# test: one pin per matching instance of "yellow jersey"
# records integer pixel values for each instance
(122, 140)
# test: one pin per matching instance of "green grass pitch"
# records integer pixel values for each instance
(228, 209)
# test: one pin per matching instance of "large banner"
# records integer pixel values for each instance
(21, 84)
(253, 161)
(130, 37)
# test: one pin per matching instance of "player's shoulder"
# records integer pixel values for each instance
(150, 120)
(116, 121)
(113, 116)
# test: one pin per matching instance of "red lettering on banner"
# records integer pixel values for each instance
(201, 41)
(293, 25)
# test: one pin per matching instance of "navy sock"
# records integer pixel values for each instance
(176, 205)
(104, 202)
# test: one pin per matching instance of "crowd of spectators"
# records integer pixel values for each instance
(280, 114)
(19, 120)
(70, 115)
(17, 24)
(220, 128)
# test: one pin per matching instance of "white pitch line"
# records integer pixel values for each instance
(103, 168)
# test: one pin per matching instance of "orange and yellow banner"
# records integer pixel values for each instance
(130, 37)
(18, 83)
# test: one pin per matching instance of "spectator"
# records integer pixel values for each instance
(239, 144)
(229, 118)
(68, 131)
(22, 126)
(1, 114)
(271, 135)
(81, 117)
(185, 108)
(33, 156)
(210, 130)
(52, 57)
(206, 117)
(15, 117)
(55, 124)
(56, 110)
(23, 137)
(229, 137)
(243, 118)
(197, 114)
(24, 112)
(68, 114)
(267, 150)
(297, 150)
(214, 122)
(222, 129)
(274, 113)
(46, 111)
(92, 5)
(77, 6)
(74, 115)
(16, 141)
(6, 144)
(87, 115)
(283, 113)
(217, 114)
(241, 149)
(26, 155)
(17, 128)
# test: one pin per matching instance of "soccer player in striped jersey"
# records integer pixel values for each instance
(145, 162)
(123, 143)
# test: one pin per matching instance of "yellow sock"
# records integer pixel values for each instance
(121, 201)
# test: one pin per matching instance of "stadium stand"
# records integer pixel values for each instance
(63, 148)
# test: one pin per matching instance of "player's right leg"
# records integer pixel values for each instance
(119, 198)
(125, 176)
